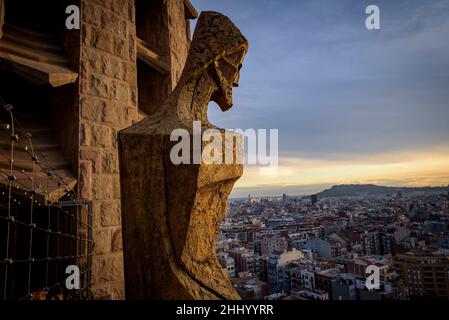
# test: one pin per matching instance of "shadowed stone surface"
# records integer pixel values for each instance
(171, 213)
(2, 17)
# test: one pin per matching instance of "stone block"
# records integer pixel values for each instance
(121, 48)
(103, 41)
(116, 114)
(102, 187)
(92, 108)
(85, 135)
(85, 179)
(102, 241)
(110, 215)
(101, 136)
(117, 242)
(101, 292)
(110, 66)
(129, 73)
(109, 162)
(91, 14)
(120, 7)
(99, 86)
(93, 155)
(120, 92)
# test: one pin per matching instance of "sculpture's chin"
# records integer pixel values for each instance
(224, 104)
(225, 107)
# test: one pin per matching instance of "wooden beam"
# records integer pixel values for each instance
(49, 192)
(151, 58)
(31, 40)
(35, 56)
(190, 10)
(36, 71)
(32, 54)
(30, 34)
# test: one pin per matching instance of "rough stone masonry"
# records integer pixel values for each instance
(108, 102)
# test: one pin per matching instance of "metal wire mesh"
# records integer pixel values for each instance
(39, 236)
(36, 249)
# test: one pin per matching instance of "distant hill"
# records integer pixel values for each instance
(371, 189)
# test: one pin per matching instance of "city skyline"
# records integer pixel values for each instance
(348, 243)
(351, 105)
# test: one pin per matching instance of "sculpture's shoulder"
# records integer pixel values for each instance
(157, 124)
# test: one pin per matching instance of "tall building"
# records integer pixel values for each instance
(278, 273)
(424, 274)
(271, 243)
(227, 262)
(241, 233)
(377, 243)
(303, 279)
(345, 285)
(250, 288)
(244, 260)
(326, 248)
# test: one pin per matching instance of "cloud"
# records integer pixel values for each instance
(412, 168)
(336, 90)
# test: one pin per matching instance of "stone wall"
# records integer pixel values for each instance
(87, 115)
(108, 103)
(179, 41)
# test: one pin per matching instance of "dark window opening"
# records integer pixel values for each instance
(41, 16)
(153, 48)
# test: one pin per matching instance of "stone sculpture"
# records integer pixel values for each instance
(171, 213)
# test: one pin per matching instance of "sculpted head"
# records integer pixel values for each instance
(217, 50)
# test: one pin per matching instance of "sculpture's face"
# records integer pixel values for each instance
(227, 76)
(230, 67)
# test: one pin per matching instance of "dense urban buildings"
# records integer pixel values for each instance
(323, 247)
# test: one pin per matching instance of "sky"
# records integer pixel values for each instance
(352, 105)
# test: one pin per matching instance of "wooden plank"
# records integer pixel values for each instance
(32, 54)
(35, 56)
(38, 147)
(15, 37)
(38, 72)
(23, 161)
(48, 189)
(151, 58)
(190, 10)
(31, 34)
